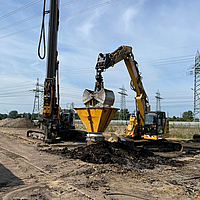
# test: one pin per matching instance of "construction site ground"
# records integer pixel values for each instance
(31, 169)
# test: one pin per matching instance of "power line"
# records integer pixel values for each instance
(22, 31)
(16, 104)
(68, 3)
(168, 58)
(173, 48)
(20, 9)
(68, 16)
(89, 9)
(169, 61)
(172, 63)
(15, 87)
(20, 22)
(33, 16)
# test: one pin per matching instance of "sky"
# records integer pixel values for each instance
(164, 35)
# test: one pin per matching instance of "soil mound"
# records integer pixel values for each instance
(16, 123)
(105, 152)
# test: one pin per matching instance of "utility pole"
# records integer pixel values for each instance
(196, 84)
(123, 102)
(158, 98)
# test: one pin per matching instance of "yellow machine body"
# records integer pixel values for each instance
(132, 128)
(137, 126)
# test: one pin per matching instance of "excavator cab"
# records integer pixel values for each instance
(156, 125)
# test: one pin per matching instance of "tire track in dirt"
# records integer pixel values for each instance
(16, 156)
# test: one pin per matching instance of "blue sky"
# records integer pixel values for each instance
(164, 34)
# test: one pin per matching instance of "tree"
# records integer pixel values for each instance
(188, 116)
(123, 114)
(76, 116)
(13, 114)
(116, 117)
(3, 116)
(27, 115)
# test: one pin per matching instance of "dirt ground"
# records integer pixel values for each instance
(30, 169)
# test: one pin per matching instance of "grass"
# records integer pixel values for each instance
(180, 135)
(176, 131)
(183, 126)
(184, 132)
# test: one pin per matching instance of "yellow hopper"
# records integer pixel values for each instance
(96, 119)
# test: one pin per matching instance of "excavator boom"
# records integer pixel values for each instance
(105, 61)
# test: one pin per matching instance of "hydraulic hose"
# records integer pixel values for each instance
(42, 35)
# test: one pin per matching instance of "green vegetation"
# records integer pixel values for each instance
(76, 116)
(180, 135)
(183, 131)
(3, 116)
(123, 114)
(187, 116)
(14, 114)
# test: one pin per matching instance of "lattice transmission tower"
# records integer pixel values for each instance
(123, 94)
(158, 98)
(38, 102)
(197, 84)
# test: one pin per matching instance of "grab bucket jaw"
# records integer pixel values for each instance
(104, 97)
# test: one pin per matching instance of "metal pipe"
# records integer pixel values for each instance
(52, 39)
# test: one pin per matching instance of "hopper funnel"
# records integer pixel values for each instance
(96, 119)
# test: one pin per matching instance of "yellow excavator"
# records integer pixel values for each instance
(151, 125)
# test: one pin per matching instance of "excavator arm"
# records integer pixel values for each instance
(105, 61)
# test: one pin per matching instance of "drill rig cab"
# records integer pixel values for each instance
(67, 118)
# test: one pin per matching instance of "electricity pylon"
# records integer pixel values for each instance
(123, 94)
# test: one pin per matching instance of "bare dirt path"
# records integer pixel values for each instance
(28, 171)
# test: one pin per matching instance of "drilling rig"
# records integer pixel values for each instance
(56, 122)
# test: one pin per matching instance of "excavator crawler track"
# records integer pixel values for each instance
(160, 146)
(151, 145)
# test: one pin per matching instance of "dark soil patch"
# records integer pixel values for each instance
(105, 152)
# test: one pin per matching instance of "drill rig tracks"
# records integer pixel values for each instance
(71, 134)
(35, 134)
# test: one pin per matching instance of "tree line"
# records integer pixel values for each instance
(122, 114)
(187, 116)
(14, 114)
